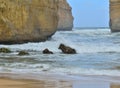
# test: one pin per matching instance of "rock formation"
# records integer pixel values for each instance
(27, 20)
(66, 49)
(5, 50)
(65, 16)
(47, 51)
(22, 53)
(115, 15)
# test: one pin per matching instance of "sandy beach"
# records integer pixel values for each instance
(25, 83)
(12, 83)
(56, 81)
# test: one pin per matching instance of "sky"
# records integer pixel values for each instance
(90, 13)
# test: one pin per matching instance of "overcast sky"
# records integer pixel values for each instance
(90, 13)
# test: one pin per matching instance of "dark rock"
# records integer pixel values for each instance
(46, 51)
(5, 50)
(117, 67)
(44, 70)
(23, 53)
(66, 49)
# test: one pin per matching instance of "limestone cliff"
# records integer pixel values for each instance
(65, 16)
(27, 20)
(115, 15)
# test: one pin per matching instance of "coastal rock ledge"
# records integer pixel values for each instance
(115, 15)
(27, 20)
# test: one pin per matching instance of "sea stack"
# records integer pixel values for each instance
(65, 16)
(115, 15)
(27, 20)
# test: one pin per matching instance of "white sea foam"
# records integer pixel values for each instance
(22, 67)
(69, 71)
(81, 71)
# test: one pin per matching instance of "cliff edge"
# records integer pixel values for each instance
(115, 15)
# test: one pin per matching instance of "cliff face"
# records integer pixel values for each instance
(65, 16)
(115, 15)
(27, 20)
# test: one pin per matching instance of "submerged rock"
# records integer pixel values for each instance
(21, 53)
(47, 51)
(27, 20)
(115, 15)
(5, 50)
(65, 16)
(66, 49)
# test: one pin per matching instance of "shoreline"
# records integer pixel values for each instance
(49, 80)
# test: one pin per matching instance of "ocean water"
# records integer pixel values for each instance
(98, 53)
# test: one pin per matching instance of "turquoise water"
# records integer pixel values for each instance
(98, 53)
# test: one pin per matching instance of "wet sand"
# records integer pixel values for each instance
(11, 83)
(115, 85)
(20, 81)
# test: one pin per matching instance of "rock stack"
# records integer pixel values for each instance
(65, 17)
(115, 15)
(24, 21)
(27, 20)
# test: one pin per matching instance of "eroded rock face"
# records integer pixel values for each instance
(27, 20)
(65, 16)
(115, 15)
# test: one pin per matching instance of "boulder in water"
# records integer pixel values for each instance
(47, 51)
(5, 50)
(23, 53)
(66, 49)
